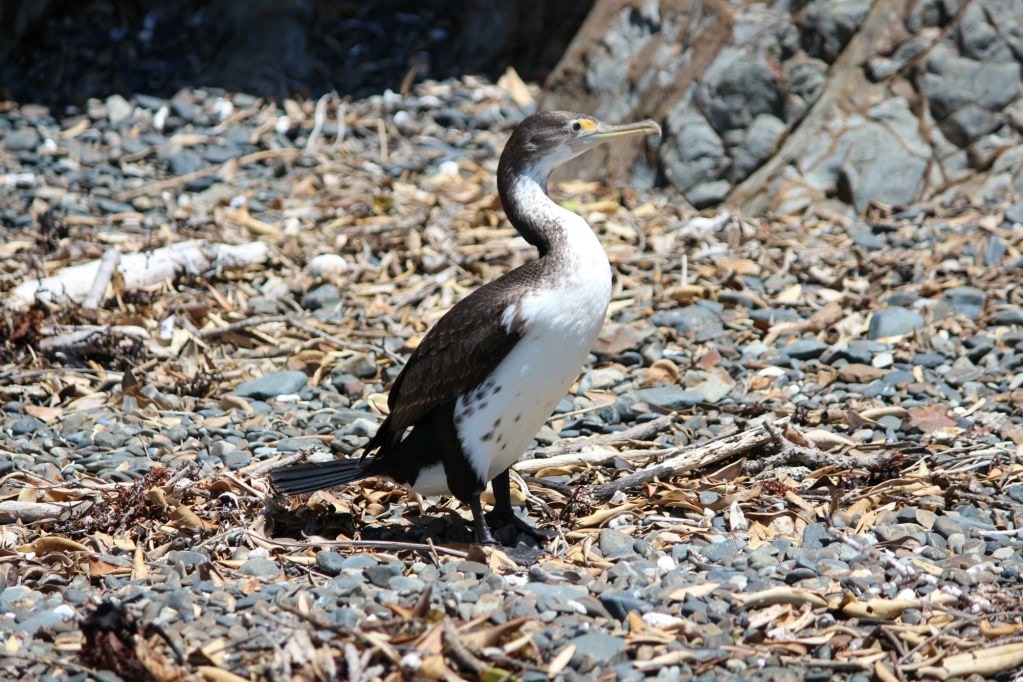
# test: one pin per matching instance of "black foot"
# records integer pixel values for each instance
(506, 523)
(523, 555)
(480, 530)
(503, 519)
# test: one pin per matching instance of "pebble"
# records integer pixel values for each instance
(968, 301)
(691, 318)
(893, 321)
(614, 544)
(260, 568)
(601, 647)
(25, 139)
(323, 297)
(272, 385)
(668, 397)
(805, 349)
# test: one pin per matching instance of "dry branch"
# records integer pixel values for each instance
(107, 265)
(12, 511)
(87, 338)
(692, 458)
(139, 270)
(638, 432)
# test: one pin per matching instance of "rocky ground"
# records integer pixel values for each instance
(792, 454)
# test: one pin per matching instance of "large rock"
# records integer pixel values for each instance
(775, 105)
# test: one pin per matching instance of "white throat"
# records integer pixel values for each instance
(577, 248)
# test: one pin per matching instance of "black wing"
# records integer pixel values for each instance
(455, 356)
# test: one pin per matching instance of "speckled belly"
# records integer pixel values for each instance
(497, 421)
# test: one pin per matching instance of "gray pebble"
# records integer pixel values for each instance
(893, 321)
(601, 647)
(24, 139)
(968, 301)
(805, 349)
(330, 563)
(668, 397)
(272, 385)
(260, 568)
(614, 544)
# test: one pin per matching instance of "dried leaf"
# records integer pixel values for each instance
(930, 418)
(987, 662)
(780, 595)
(560, 660)
(53, 543)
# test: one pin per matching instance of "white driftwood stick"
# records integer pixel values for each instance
(140, 269)
(107, 265)
(755, 435)
(30, 512)
(78, 339)
(595, 457)
(679, 461)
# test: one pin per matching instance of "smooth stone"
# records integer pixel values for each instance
(25, 139)
(362, 365)
(668, 397)
(968, 301)
(947, 526)
(184, 162)
(26, 425)
(150, 102)
(109, 439)
(260, 567)
(816, 536)
(602, 647)
(712, 385)
(614, 544)
(1012, 315)
(893, 321)
(272, 385)
(381, 574)
(772, 315)
(118, 108)
(1014, 213)
(326, 264)
(330, 563)
(358, 561)
(619, 604)
(867, 239)
(601, 378)
(1015, 492)
(188, 557)
(805, 349)
(928, 359)
(859, 373)
(688, 319)
(323, 297)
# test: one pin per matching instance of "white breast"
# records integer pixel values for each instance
(498, 420)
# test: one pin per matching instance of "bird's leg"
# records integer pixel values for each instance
(504, 515)
(480, 529)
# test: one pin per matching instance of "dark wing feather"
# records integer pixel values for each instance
(456, 354)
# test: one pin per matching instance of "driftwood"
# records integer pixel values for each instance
(87, 339)
(638, 432)
(692, 458)
(139, 270)
(105, 272)
(12, 511)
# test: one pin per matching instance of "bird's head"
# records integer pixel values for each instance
(548, 139)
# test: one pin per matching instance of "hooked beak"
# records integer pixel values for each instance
(603, 132)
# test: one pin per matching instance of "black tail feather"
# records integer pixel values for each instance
(305, 478)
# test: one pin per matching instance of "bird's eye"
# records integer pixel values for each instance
(576, 126)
